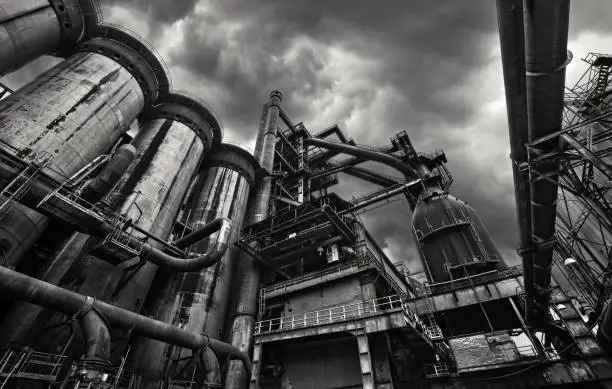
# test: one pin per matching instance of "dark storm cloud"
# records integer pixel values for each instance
(158, 11)
(421, 49)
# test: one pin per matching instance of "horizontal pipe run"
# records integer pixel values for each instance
(213, 254)
(102, 228)
(361, 152)
(201, 233)
(15, 285)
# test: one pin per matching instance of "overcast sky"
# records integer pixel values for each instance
(374, 67)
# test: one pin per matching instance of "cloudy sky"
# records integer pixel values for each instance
(429, 67)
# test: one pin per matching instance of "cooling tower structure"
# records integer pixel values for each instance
(163, 257)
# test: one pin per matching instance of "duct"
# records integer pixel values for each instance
(364, 153)
(213, 369)
(96, 334)
(248, 274)
(18, 286)
(209, 258)
(118, 164)
(198, 301)
(534, 110)
(32, 28)
(546, 55)
(201, 233)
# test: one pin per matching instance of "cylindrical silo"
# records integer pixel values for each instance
(248, 276)
(73, 113)
(173, 139)
(197, 301)
(31, 28)
(451, 238)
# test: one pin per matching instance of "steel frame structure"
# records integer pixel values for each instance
(584, 208)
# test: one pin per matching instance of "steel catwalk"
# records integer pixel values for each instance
(197, 301)
(248, 276)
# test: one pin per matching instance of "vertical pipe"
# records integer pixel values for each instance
(197, 301)
(241, 332)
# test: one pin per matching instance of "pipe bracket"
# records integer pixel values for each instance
(569, 58)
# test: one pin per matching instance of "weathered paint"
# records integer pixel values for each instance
(28, 29)
(197, 301)
(75, 111)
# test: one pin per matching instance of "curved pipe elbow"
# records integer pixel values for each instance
(97, 336)
(356, 151)
(212, 255)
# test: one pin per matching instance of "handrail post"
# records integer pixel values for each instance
(344, 312)
(292, 321)
(317, 315)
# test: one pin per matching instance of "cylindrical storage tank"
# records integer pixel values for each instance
(32, 28)
(173, 139)
(197, 301)
(74, 112)
(452, 241)
(78, 109)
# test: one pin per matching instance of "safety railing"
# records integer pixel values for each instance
(330, 315)
(337, 269)
(30, 364)
(479, 279)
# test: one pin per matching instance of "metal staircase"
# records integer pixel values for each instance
(21, 184)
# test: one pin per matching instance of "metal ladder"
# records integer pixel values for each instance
(433, 330)
(21, 184)
(262, 302)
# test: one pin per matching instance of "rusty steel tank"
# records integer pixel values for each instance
(452, 240)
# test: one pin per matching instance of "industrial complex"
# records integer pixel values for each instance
(139, 250)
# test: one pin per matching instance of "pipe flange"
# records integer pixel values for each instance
(133, 53)
(193, 113)
(71, 24)
(567, 61)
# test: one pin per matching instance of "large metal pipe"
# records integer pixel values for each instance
(15, 285)
(389, 160)
(198, 301)
(512, 42)
(99, 186)
(534, 43)
(546, 55)
(73, 113)
(32, 28)
(248, 275)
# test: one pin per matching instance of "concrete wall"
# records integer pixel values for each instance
(323, 364)
(343, 292)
